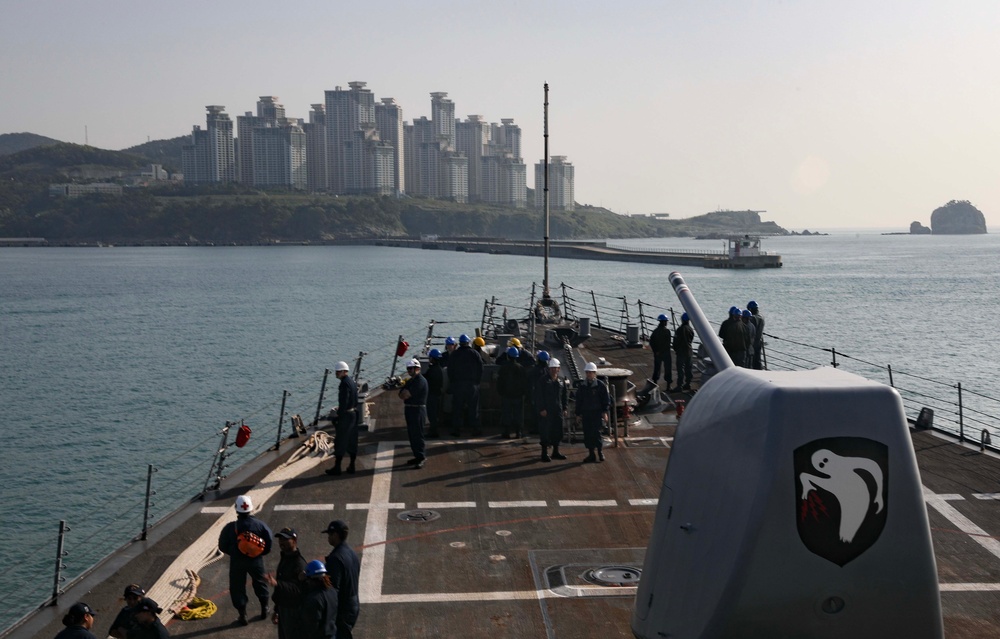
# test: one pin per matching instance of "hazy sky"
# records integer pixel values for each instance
(824, 114)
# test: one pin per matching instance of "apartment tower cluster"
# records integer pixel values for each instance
(353, 145)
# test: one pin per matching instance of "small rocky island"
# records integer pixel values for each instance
(916, 228)
(958, 217)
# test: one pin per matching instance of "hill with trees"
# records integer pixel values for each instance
(958, 217)
(164, 152)
(14, 142)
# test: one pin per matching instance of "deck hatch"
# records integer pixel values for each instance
(419, 516)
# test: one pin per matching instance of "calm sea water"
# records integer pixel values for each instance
(116, 358)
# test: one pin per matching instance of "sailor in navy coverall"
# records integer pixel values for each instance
(344, 568)
(414, 396)
(465, 373)
(240, 565)
(592, 405)
(346, 432)
(550, 404)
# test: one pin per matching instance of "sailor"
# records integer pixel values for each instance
(319, 609)
(683, 340)
(148, 624)
(288, 587)
(346, 437)
(751, 330)
(79, 619)
(535, 374)
(592, 404)
(436, 376)
(550, 402)
(502, 356)
(126, 616)
(414, 396)
(450, 344)
(465, 372)
(478, 343)
(512, 382)
(758, 344)
(734, 337)
(659, 343)
(343, 567)
(246, 541)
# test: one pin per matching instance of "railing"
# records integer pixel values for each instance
(667, 251)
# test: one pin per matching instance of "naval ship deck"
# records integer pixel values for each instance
(500, 544)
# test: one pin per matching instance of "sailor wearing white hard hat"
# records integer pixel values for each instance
(346, 431)
(246, 541)
(414, 395)
(550, 402)
(592, 405)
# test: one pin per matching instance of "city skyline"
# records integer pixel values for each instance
(847, 115)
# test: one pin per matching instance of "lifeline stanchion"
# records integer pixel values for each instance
(60, 553)
(281, 421)
(149, 494)
(322, 391)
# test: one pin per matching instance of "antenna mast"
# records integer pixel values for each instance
(545, 194)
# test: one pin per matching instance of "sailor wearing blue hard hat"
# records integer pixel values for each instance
(683, 345)
(465, 373)
(735, 338)
(435, 392)
(751, 329)
(319, 605)
(758, 344)
(659, 343)
(512, 384)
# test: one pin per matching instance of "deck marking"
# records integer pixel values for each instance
(442, 597)
(376, 527)
(950, 497)
(969, 587)
(303, 507)
(216, 510)
(962, 522)
(986, 495)
(643, 502)
(393, 504)
(586, 502)
(434, 505)
(518, 504)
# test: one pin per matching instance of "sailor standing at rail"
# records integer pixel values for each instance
(246, 541)
(344, 569)
(550, 401)
(751, 329)
(734, 337)
(414, 395)
(683, 341)
(592, 405)
(659, 343)
(758, 344)
(535, 374)
(346, 437)
(465, 372)
(436, 383)
(512, 381)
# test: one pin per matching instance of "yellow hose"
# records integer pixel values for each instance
(197, 608)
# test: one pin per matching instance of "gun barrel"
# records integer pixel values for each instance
(708, 337)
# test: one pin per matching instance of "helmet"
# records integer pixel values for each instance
(733, 310)
(591, 366)
(513, 353)
(315, 568)
(747, 314)
(662, 318)
(413, 363)
(450, 341)
(751, 304)
(684, 317)
(341, 366)
(434, 354)
(554, 363)
(543, 356)
(463, 339)
(514, 342)
(479, 341)
(244, 504)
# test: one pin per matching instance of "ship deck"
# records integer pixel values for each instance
(500, 544)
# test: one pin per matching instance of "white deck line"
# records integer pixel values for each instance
(969, 587)
(951, 497)
(518, 504)
(437, 505)
(962, 522)
(394, 504)
(586, 502)
(280, 507)
(216, 510)
(986, 495)
(377, 527)
(447, 597)
(643, 502)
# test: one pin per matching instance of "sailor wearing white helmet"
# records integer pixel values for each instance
(592, 404)
(246, 541)
(346, 431)
(550, 402)
(414, 395)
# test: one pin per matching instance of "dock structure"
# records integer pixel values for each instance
(743, 252)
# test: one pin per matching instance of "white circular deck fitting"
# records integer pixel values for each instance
(497, 558)
(504, 533)
(457, 544)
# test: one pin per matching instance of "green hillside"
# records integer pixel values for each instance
(164, 152)
(14, 142)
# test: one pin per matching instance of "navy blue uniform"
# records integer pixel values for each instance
(240, 565)
(346, 442)
(659, 343)
(288, 594)
(512, 383)
(734, 339)
(435, 397)
(592, 401)
(319, 614)
(125, 620)
(758, 343)
(415, 412)
(343, 567)
(465, 372)
(75, 632)
(683, 340)
(551, 398)
(155, 630)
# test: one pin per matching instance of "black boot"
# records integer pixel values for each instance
(591, 458)
(556, 454)
(263, 609)
(600, 455)
(243, 617)
(545, 454)
(350, 467)
(336, 466)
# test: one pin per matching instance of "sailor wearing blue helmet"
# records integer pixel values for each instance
(320, 605)
(735, 338)
(465, 373)
(683, 340)
(758, 344)
(435, 377)
(751, 329)
(659, 343)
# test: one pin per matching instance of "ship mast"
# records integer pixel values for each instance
(545, 194)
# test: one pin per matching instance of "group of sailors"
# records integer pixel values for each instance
(742, 336)
(137, 620)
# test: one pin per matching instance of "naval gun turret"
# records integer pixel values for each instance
(791, 507)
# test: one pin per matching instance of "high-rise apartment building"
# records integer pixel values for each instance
(443, 117)
(279, 155)
(210, 158)
(561, 176)
(346, 112)
(389, 122)
(257, 171)
(422, 152)
(472, 138)
(317, 175)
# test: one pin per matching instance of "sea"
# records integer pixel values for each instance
(116, 359)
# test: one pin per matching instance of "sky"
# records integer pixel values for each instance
(823, 114)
